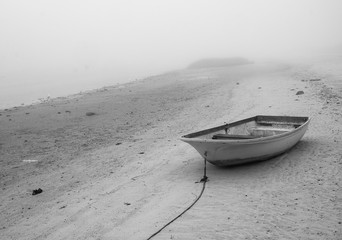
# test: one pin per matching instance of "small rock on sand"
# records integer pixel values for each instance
(90, 113)
(37, 191)
(300, 93)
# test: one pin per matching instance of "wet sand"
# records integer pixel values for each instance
(111, 165)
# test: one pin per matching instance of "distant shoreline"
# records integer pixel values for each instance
(46, 93)
(38, 94)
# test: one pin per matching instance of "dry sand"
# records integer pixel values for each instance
(122, 173)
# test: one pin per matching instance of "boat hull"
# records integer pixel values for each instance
(233, 152)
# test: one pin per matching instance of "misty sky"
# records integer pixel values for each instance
(57, 40)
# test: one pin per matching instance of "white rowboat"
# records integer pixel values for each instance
(253, 139)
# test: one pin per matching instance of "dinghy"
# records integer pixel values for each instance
(253, 139)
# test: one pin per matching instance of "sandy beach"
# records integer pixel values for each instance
(111, 165)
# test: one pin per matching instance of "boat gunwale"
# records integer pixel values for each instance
(188, 138)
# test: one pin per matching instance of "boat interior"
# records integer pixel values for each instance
(251, 128)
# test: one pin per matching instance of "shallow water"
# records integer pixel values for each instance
(17, 91)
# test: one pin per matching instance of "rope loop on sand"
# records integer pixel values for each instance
(203, 180)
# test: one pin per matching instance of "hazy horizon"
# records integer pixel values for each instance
(62, 47)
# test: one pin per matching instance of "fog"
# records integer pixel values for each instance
(53, 48)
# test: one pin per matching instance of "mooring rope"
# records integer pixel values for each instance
(204, 181)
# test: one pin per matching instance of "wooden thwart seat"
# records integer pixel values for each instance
(231, 136)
